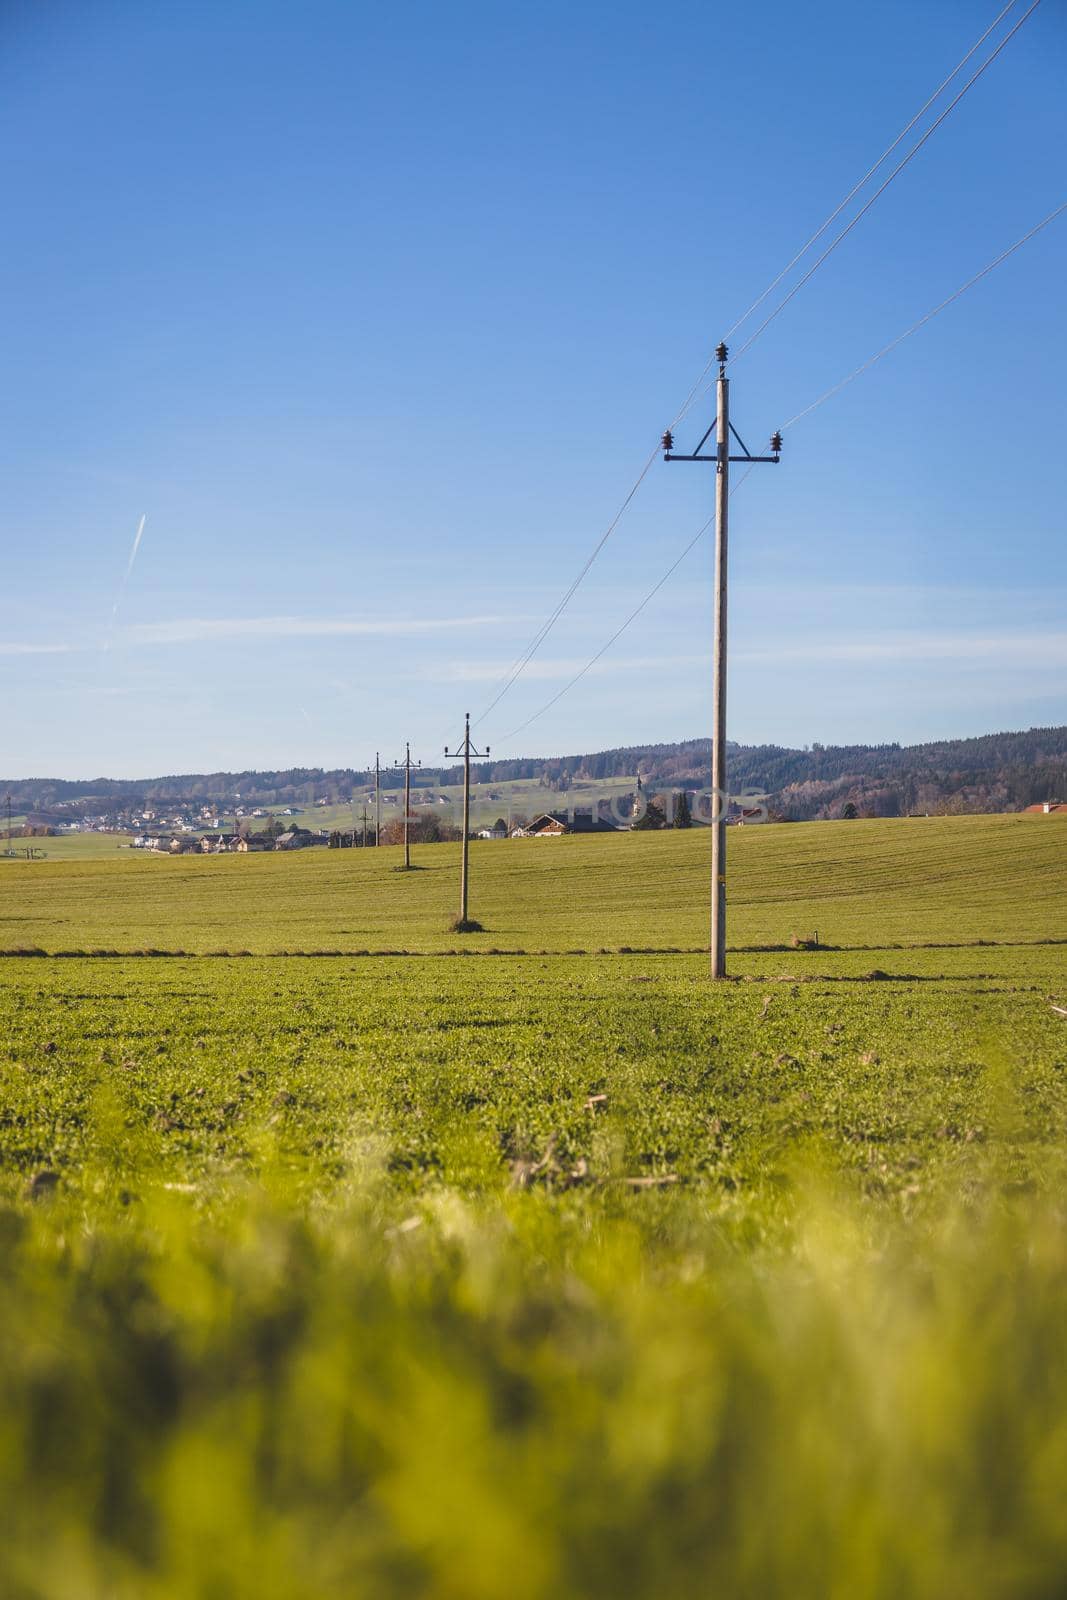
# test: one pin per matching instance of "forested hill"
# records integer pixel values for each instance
(997, 772)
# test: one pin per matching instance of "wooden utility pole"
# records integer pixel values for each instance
(722, 427)
(377, 801)
(364, 824)
(719, 790)
(466, 750)
(406, 765)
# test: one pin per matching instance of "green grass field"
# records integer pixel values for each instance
(551, 1269)
(71, 847)
(862, 886)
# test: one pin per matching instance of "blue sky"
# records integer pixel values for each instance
(375, 314)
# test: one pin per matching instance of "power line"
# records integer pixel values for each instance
(634, 614)
(406, 767)
(546, 627)
(726, 436)
(837, 387)
(899, 168)
(519, 666)
(467, 751)
(853, 192)
(869, 174)
(893, 343)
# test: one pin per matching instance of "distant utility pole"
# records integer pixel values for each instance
(364, 824)
(466, 750)
(722, 427)
(377, 802)
(406, 765)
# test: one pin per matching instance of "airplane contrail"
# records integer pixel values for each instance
(125, 580)
(136, 547)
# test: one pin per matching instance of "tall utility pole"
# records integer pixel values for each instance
(406, 765)
(722, 428)
(466, 750)
(364, 824)
(377, 801)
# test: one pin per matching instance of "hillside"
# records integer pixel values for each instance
(996, 772)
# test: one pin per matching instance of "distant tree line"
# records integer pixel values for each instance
(996, 772)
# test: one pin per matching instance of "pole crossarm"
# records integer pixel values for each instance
(407, 764)
(723, 430)
(466, 749)
(671, 455)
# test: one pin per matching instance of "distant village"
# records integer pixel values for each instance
(206, 827)
(191, 828)
(155, 827)
(194, 827)
(179, 829)
(549, 825)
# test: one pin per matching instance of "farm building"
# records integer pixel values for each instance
(550, 824)
(499, 830)
(1047, 808)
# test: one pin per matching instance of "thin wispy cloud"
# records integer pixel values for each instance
(17, 649)
(944, 593)
(489, 672)
(202, 630)
(994, 650)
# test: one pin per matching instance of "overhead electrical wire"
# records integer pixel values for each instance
(807, 410)
(517, 668)
(853, 192)
(899, 168)
(636, 612)
(869, 174)
(542, 634)
(893, 343)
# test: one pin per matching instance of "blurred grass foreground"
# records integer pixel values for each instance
(529, 1398)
